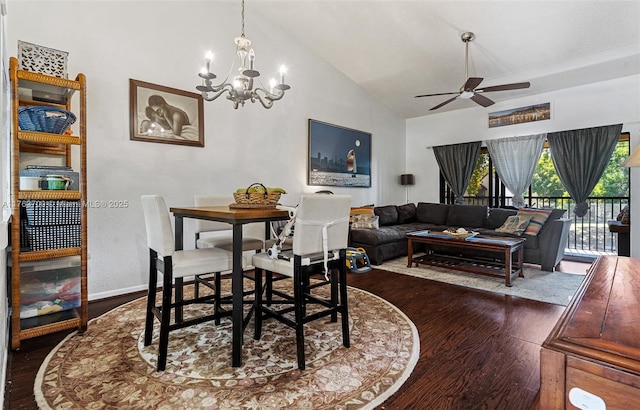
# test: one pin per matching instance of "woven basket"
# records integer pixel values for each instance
(257, 198)
(45, 119)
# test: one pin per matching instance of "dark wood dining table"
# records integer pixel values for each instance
(235, 217)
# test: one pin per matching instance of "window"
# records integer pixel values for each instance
(486, 188)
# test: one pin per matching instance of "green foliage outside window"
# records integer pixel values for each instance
(479, 173)
(546, 183)
(613, 183)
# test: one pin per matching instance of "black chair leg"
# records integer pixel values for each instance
(334, 294)
(196, 288)
(299, 308)
(344, 306)
(269, 287)
(151, 297)
(216, 301)
(179, 295)
(257, 329)
(165, 316)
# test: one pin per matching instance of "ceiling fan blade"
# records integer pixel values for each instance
(434, 95)
(505, 87)
(472, 83)
(444, 103)
(482, 100)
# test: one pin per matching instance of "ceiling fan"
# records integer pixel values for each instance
(468, 89)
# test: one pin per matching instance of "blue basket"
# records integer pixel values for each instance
(45, 119)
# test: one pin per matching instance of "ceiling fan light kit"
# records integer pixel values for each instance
(468, 91)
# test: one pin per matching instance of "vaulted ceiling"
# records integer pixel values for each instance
(398, 49)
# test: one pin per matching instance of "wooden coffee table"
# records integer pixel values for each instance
(489, 263)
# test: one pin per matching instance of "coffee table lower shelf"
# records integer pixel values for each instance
(488, 267)
(506, 266)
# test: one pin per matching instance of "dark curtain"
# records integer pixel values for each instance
(580, 157)
(456, 163)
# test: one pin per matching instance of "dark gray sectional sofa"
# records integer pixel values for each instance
(389, 240)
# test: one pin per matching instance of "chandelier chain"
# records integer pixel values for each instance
(242, 33)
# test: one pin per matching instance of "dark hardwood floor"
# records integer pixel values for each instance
(478, 350)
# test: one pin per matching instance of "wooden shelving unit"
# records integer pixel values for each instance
(29, 88)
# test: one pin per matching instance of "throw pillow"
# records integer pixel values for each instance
(538, 218)
(366, 221)
(362, 210)
(623, 216)
(515, 224)
(497, 216)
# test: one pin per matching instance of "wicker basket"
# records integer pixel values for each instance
(261, 198)
(45, 119)
(41, 213)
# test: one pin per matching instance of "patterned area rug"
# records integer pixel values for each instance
(550, 287)
(108, 366)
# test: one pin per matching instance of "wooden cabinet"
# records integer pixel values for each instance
(591, 359)
(63, 268)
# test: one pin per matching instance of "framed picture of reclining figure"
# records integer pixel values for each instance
(338, 156)
(165, 115)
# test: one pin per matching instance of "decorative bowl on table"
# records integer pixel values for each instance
(460, 233)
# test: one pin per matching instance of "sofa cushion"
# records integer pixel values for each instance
(497, 216)
(388, 214)
(432, 213)
(470, 216)
(406, 213)
(383, 235)
(515, 224)
(538, 218)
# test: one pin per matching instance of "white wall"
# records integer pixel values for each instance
(605, 103)
(164, 42)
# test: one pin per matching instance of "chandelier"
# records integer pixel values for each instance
(241, 90)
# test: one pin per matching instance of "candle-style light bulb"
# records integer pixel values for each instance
(252, 56)
(283, 71)
(272, 83)
(209, 58)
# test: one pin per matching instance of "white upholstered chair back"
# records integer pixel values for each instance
(158, 225)
(315, 213)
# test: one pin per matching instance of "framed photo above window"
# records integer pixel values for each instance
(165, 115)
(338, 156)
(520, 115)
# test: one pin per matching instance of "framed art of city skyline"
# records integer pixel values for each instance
(338, 156)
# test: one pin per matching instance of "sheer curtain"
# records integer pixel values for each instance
(456, 163)
(515, 160)
(580, 157)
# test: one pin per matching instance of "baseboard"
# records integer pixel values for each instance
(117, 292)
(132, 289)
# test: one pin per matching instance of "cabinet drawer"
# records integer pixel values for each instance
(614, 390)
